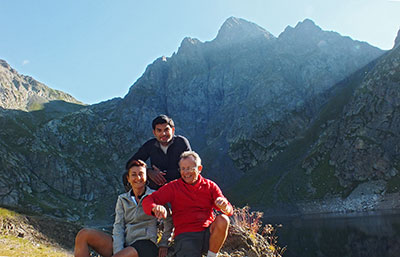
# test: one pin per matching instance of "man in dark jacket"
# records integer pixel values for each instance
(164, 151)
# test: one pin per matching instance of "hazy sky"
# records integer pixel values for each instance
(96, 49)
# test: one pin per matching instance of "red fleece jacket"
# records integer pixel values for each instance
(192, 205)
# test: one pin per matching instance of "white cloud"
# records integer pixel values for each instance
(25, 62)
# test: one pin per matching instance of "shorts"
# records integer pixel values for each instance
(145, 248)
(192, 244)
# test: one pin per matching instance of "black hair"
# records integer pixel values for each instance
(161, 119)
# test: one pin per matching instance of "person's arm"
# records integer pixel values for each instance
(221, 202)
(119, 227)
(188, 148)
(141, 154)
(153, 203)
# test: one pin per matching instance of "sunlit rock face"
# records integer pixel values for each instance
(241, 99)
(25, 93)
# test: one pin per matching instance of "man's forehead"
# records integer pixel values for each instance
(162, 126)
(188, 159)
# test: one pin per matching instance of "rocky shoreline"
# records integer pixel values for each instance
(367, 198)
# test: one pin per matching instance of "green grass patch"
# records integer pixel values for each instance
(255, 185)
(36, 107)
(16, 246)
(293, 186)
(4, 213)
(325, 182)
(393, 184)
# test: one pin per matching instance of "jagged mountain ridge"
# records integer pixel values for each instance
(240, 102)
(21, 92)
(251, 87)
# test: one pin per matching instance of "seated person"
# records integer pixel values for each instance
(134, 232)
(192, 200)
(164, 151)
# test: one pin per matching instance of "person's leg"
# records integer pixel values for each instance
(218, 233)
(127, 252)
(100, 242)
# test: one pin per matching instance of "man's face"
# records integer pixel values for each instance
(189, 171)
(163, 133)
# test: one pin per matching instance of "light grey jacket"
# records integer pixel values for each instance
(132, 224)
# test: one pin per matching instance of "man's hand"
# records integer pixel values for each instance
(159, 211)
(157, 175)
(162, 251)
(223, 205)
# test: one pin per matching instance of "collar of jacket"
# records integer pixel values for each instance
(148, 191)
(157, 144)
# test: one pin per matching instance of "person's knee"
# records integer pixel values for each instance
(83, 235)
(222, 221)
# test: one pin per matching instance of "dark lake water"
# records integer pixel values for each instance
(352, 235)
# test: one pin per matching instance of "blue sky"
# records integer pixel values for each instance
(95, 50)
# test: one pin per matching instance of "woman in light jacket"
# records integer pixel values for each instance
(134, 232)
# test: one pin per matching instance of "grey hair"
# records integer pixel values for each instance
(193, 154)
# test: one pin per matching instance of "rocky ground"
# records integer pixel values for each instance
(25, 235)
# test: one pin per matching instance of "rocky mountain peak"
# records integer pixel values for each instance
(307, 24)
(5, 64)
(236, 29)
(397, 40)
(188, 44)
(303, 29)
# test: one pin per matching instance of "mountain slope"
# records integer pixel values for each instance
(244, 99)
(24, 93)
(361, 145)
(346, 160)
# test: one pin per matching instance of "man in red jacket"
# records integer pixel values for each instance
(192, 200)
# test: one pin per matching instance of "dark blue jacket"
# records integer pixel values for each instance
(169, 162)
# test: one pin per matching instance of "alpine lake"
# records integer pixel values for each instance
(369, 234)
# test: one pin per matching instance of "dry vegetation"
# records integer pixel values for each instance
(248, 237)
